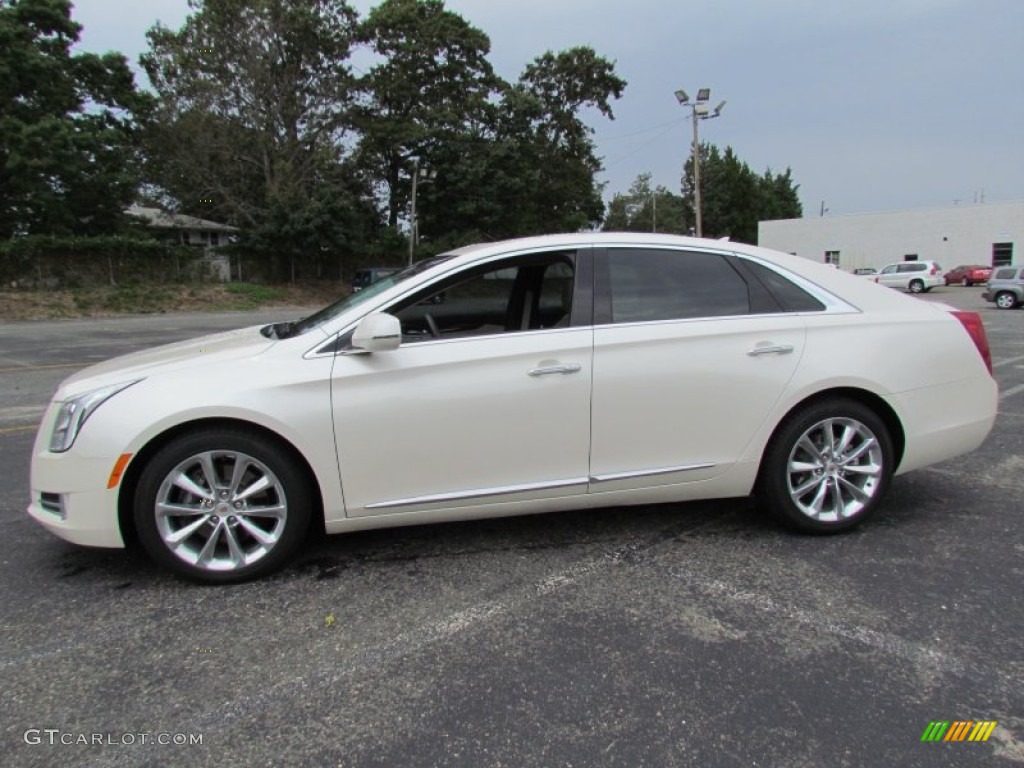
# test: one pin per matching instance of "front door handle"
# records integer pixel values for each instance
(550, 369)
(771, 349)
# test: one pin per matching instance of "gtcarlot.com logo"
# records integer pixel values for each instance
(958, 730)
(55, 736)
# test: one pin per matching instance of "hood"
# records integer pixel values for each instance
(216, 348)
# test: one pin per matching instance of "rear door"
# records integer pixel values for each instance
(689, 359)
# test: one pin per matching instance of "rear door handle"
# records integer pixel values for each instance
(771, 349)
(550, 369)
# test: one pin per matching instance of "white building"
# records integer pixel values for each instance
(988, 233)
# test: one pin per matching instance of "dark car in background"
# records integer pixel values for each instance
(968, 274)
(370, 275)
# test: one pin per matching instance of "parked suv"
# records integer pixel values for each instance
(913, 276)
(1005, 287)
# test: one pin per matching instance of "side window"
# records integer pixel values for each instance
(652, 284)
(791, 297)
(1005, 274)
(890, 269)
(521, 294)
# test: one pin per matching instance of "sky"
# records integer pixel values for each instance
(875, 105)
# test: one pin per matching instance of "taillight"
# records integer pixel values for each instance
(935, 270)
(971, 322)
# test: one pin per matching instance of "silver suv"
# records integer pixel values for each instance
(1005, 287)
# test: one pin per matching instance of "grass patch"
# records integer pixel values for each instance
(250, 295)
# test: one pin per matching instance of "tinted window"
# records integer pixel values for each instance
(1005, 274)
(668, 285)
(519, 294)
(912, 267)
(791, 297)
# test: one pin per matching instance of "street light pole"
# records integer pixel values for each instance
(418, 174)
(698, 111)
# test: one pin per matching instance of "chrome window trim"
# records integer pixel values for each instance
(478, 493)
(316, 352)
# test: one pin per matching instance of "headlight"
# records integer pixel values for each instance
(75, 411)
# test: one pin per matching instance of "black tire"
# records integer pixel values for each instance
(243, 535)
(779, 484)
(966, 283)
(916, 286)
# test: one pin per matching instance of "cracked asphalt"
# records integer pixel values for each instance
(672, 635)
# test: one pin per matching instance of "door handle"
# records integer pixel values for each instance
(549, 369)
(771, 349)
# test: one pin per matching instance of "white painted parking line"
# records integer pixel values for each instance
(1001, 363)
(1011, 391)
(21, 412)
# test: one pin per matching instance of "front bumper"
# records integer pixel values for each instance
(78, 507)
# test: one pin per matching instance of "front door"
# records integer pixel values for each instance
(487, 400)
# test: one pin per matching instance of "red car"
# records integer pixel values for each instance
(968, 274)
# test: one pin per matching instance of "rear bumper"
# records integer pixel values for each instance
(945, 421)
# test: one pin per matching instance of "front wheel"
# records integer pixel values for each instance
(827, 467)
(221, 505)
(916, 286)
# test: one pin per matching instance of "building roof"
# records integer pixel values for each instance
(154, 217)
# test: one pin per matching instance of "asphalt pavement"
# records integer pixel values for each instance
(673, 635)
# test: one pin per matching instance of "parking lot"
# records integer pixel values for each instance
(674, 635)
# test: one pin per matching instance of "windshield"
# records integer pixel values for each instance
(358, 297)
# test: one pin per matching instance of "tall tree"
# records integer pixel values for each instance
(432, 83)
(734, 199)
(530, 166)
(68, 160)
(251, 119)
(644, 209)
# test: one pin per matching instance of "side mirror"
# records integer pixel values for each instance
(379, 332)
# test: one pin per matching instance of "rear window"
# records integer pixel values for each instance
(791, 297)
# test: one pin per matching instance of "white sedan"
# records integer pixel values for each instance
(534, 375)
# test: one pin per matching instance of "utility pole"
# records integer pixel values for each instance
(698, 111)
(418, 174)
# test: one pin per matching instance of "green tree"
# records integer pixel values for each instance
(644, 209)
(734, 198)
(250, 122)
(68, 159)
(431, 86)
(529, 166)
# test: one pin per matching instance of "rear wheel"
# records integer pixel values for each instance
(916, 286)
(221, 505)
(827, 467)
(966, 283)
(1006, 300)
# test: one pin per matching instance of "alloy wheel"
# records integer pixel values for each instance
(834, 469)
(220, 510)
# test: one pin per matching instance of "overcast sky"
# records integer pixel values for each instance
(874, 104)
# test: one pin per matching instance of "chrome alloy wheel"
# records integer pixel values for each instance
(834, 469)
(220, 510)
